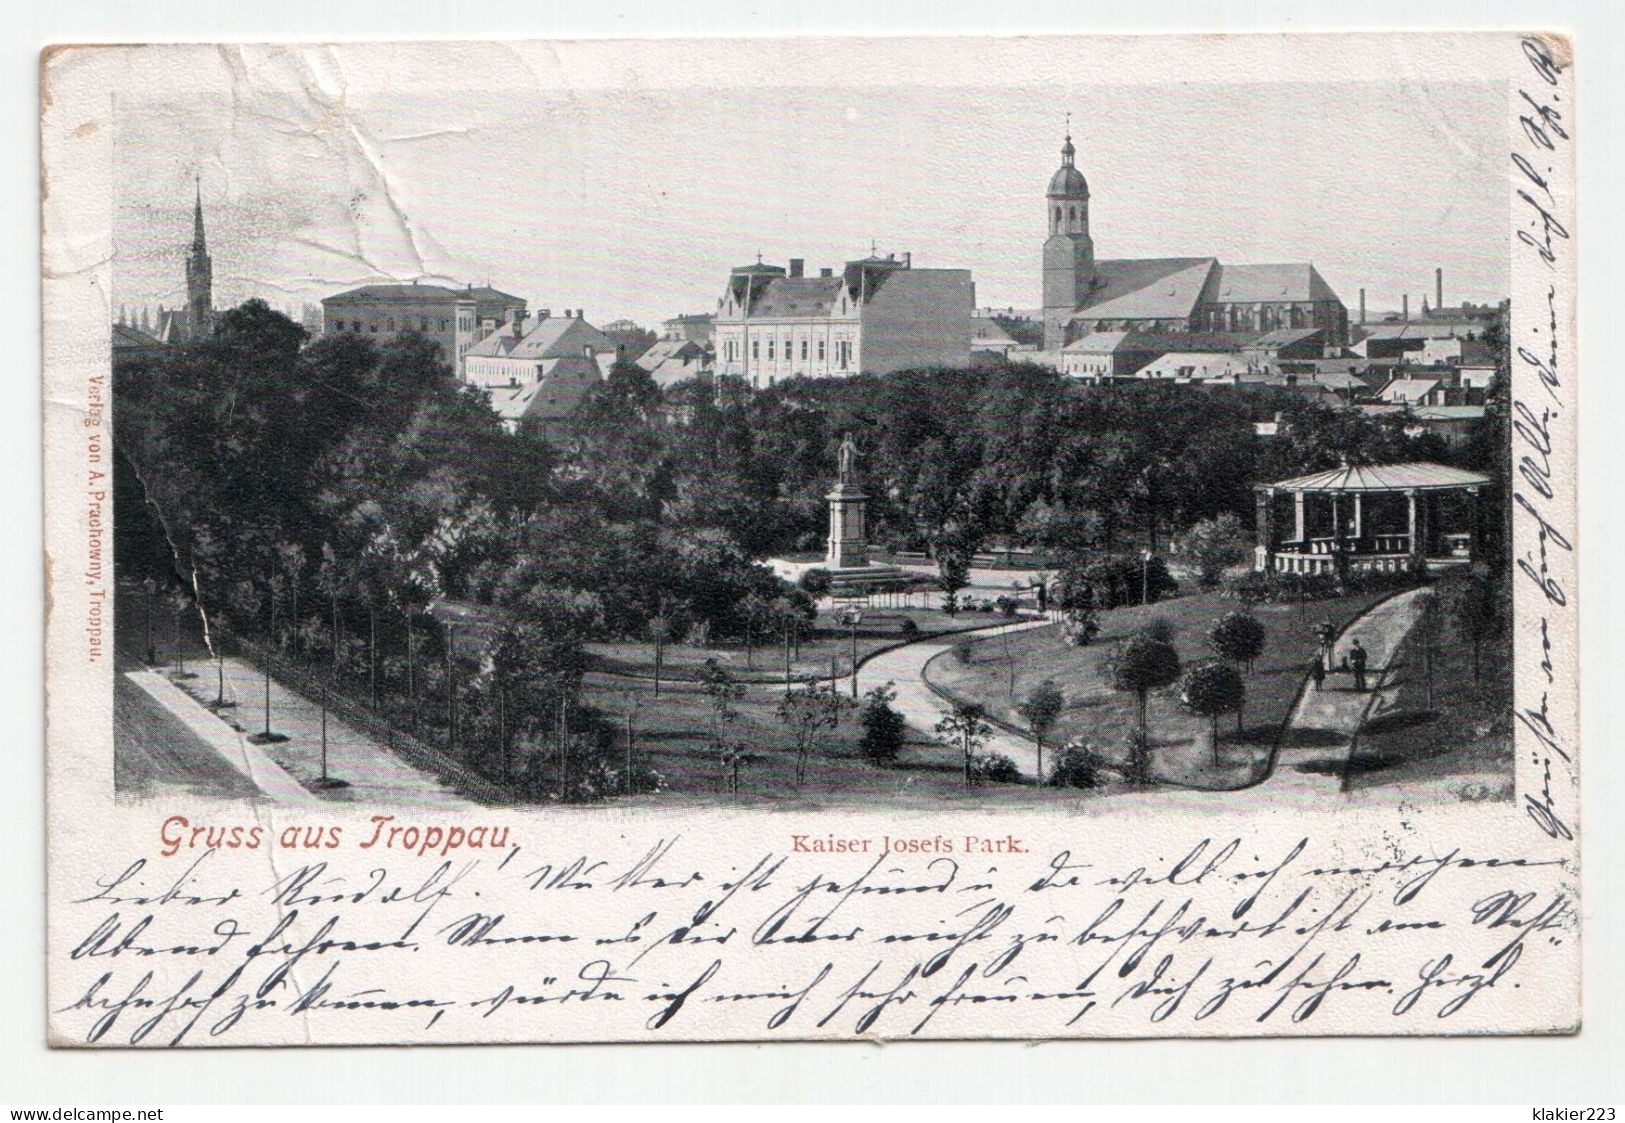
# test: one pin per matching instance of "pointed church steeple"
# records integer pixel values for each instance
(199, 245)
(199, 277)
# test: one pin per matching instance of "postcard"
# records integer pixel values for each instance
(811, 539)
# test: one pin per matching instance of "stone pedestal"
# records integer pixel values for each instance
(847, 546)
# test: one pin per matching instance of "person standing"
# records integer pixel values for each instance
(1357, 658)
(1317, 671)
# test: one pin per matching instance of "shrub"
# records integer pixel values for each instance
(1074, 767)
(908, 627)
(964, 653)
(1137, 755)
(1079, 626)
(814, 582)
(884, 729)
(995, 768)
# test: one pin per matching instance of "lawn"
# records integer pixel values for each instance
(1182, 748)
(672, 735)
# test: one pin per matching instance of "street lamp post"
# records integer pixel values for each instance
(152, 596)
(852, 616)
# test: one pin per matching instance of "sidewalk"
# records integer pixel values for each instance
(1320, 735)
(375, 775)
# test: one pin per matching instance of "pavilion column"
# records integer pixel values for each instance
(1358, 528)
(1477, 528)
(1415, 547)
(1299, 525)
(1264, 512)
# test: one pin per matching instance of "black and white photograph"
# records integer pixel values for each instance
(472, 467)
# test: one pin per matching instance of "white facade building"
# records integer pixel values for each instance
(879, 315)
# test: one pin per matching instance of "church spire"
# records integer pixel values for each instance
(1068, 153)
(198, 244)
(199, 277)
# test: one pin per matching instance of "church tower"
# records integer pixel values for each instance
(199, 278)
(1069, 252)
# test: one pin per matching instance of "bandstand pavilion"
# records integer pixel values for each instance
(1370, 518)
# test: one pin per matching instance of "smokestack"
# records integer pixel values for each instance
(1362, 306)
(1438, 289)
(796, 266)
(1405, 307)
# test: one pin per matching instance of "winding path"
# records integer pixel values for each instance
(1317, 742)
(904, 667)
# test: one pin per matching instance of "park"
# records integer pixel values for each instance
(993, 586)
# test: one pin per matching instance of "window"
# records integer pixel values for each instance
(756, 349)
(820, 350)
(445, 325)
(770, 350)
(373, 328)
(803, 350)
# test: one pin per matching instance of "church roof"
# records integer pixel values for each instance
(1147, 288)
(1068, 180)
(1254, 284)
(126, 336)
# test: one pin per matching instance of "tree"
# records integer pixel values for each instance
(1040, 711)
(807, 713)
(1212, 546)
(1214, 688)
(660, 631)
(965, 727)
(884, 729)
(722, 690)
(954, 550)
(1238, 637)
(1480, 611)
(1142, 664)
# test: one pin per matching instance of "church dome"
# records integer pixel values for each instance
(1068, 180)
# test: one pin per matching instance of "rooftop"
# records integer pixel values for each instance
(1415, 476)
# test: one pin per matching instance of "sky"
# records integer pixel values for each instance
(637, 202)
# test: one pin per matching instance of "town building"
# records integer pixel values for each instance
(675, 360)
(1083, 293)
(878, 315)
(519, 353)
(547, 403)
(452, 319)
(195, 321)
(695, 328)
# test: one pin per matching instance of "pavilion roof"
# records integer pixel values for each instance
(1418, 476)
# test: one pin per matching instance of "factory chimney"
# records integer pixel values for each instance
(1362, 306)
(1438, 289)
(1405, 307)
